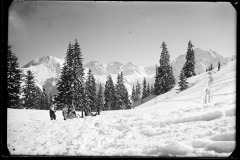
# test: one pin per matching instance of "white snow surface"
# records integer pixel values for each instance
(172, 124)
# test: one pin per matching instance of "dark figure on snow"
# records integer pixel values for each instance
(65, 111)
(219, 65)
(71, 113)
(52, 112)
(73, 110)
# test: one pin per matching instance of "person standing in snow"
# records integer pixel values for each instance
(73, 110)
(52, 112)
(65, 111)
(206, 91)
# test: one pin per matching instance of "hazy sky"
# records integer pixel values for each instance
(120, 31)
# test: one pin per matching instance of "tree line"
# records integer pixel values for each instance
(83, 94)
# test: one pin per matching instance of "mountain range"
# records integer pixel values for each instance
(47, 70)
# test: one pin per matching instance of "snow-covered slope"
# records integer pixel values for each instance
(172, 124)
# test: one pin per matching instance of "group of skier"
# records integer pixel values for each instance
(67, 112)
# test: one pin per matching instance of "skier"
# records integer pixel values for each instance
(206, 91)
(52, 112)
(64, 111)
(73, 110)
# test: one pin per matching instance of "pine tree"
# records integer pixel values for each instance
(13, 79)
(63, 85)
(144, 91)
(44, 100)
(189, 66)
(109, 94)
(148, 90)
(31, 92)
(126, 100)
(138, 92)
(78, 75)
(90, 90)
(121, 92)
(157, 80)
(183, 84)
(165, 80)
(133, 96)
(70, 86)
(100, 99)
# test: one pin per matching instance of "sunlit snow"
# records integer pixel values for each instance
(172, 124)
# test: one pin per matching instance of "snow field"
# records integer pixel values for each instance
(172, 124)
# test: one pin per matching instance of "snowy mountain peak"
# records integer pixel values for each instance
(45, 60)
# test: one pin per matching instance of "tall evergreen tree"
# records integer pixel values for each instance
(44, 100)
(63, 85)
(78, 75)
(90, 90)
(133, 96)
(109, 94)
(144, 91)
(165, 80)
(183, 84)
(70, 86)
(13, 79)
(31, 92)
(121, 92)
(157, 80)
(138, 92)
(148, 90)
(189, 66)
(126, 100)
(100, 99)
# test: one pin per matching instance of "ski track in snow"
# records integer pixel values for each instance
(168, 125)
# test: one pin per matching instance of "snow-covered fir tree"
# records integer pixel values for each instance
(13, 79)
(148, 92)
(133, 96)
(100, 99)
(138, 92)
(156, 86)
(78, 77)
(121, 92)
(44, 100)
(31, 92)
(109, 94)
(63, 85)
(70, 86)
(164, 80)
(126, 100)
(183, 84)
(90, 90)
(144, 91)
(189, 66)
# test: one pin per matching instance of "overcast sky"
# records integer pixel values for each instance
(120, 31)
